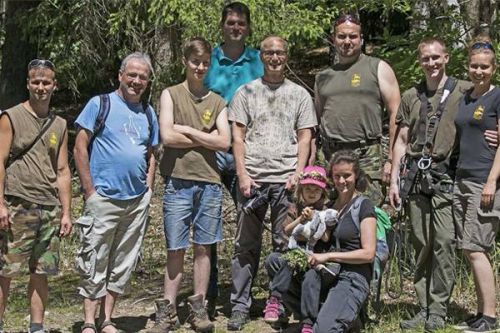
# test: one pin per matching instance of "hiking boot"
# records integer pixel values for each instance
(418, 321)
(483, 324)
(211, 307)
(306, 328)
(198, 316)
(237, 321)
(467, 322)
(434, 322)
(166, 319)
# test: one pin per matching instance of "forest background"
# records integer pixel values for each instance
(86, 39)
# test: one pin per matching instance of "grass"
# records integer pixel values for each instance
(134, 310)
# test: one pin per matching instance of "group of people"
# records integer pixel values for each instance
(237, 121)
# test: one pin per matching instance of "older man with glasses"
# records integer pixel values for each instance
(117, 179)
(35, 191)
(351, 98)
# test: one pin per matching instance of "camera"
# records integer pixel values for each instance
(257, 199)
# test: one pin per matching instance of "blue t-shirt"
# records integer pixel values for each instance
(225, 76)
(118, 165)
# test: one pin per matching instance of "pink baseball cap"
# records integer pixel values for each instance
(315, 175)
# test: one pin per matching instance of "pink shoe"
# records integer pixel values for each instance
(306, 328)
(273, 310)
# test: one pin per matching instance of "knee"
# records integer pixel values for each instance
(201, 250)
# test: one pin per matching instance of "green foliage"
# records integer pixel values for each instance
(297, 260)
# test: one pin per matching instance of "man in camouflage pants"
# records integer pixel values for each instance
(35, 191)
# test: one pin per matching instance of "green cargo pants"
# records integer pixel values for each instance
(433, 238)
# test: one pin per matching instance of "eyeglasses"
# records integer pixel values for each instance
(346, 18)
(270, 53)
(41, 63)
(483, 45)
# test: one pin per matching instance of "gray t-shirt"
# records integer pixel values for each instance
(272, 118)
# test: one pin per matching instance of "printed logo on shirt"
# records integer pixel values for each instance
(356, 80)
(52, 139)
(207, 116)
(478, 113)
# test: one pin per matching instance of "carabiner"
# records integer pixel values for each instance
(424, 163)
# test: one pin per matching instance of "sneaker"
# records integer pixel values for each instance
(434, 322)
(418, 321)
(306, 328)
(273, 311)
(467, 322)
(237, 321)
(483, 325)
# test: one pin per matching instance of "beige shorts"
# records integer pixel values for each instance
(476, 228)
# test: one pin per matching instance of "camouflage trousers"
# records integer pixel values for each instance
(31, 245)
(371, 162)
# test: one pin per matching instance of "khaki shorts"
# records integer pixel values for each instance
(476, 228)
(31, 245)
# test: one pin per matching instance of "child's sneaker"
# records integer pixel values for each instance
(274, 313)
(306, 328)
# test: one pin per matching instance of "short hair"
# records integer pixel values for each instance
(281, 39)
(347, 17)
(236, 7)
(196, 45)
(349, 156)
(430, 40)
(137, 56)
(483, 44)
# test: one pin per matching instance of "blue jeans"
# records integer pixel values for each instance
(225, 162)
(189, 203)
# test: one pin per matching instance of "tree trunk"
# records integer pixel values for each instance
(17, 51)
(478, 14)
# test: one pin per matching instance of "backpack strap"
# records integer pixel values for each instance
(354, 208)
(149, 115)
(104, 107)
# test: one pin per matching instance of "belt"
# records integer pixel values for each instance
(354, 144)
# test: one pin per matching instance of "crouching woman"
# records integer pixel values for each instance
(354, 240)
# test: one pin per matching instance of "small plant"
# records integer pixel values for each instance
(297, 260)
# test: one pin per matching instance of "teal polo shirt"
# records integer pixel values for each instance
(225, 76)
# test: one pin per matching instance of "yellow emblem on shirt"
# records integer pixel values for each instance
(356, 80)
(207, 115)
(478, 113)
(52, 139)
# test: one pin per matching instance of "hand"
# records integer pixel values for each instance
(182, 129)
(5, 220)
(491, 138)
(292, 181)
(394, 197)
(386, 176)
(317, 258)
(307, 214)
(246, 183)
(488, 195)
(66, 226)
(88, 194)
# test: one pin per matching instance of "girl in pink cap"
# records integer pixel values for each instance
(310, 196)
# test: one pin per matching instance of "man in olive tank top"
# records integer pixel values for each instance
(35, 191)
(351, 98)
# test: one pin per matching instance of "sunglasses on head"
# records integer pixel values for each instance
(346, 18)
(483, 45)
(41, 63)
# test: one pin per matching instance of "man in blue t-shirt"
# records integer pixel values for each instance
(232, 65)
(117, 180)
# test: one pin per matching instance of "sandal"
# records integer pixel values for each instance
(110, 323)
(88, 325)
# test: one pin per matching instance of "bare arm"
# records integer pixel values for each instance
(6, 137)
(364, 255)
(303, 149)
(215, 140)
(398, 151)
(490, 187)
(244, 180)
(81, 155)
(64, 187)
(150, 177)
(389, 90)
(168, 135)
